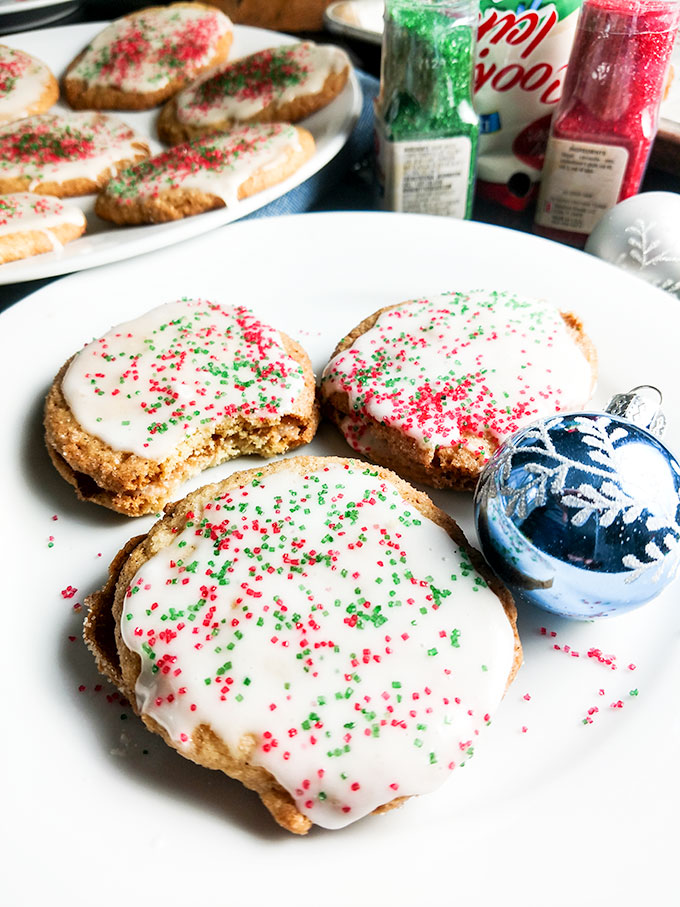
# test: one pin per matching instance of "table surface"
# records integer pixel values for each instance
(356, 192)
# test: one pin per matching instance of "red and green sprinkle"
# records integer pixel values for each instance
(297, 608)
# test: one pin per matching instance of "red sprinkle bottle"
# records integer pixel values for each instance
(603, 128)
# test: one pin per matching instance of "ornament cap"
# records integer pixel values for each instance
(642, 406)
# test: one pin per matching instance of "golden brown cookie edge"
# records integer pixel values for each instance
(209, 750)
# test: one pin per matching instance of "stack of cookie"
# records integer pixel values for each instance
(315, 628)
(229, 124)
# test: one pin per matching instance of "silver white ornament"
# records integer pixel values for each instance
(642, 235)
(580, 513)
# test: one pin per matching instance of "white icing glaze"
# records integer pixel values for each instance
(330, 620)
(148, 384)
(149, 49)
(22, 211)
(479, 362)
(217, 164)
(23, 80)
(240, 89)
(54, 242)
(69, 146)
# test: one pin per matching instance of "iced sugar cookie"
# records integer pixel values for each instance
(66, 154)
(33, 224)
(282, 84)
(317, 629)
(143, 58)
(431, 387)
(27, 86)
(206, 173)
(186, 386)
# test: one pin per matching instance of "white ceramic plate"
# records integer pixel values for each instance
(561, 813)
(16, 14)
(362, 19)
(104, 243)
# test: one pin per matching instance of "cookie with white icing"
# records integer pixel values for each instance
(32, 224)
(66, 154)
(160, 398)
(210, 172)
(279, 84)
(431, 387)
(27, 86)
(142, 59)
(316, 629)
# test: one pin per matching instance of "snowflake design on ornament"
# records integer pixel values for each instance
(644, 249)
(602, 500)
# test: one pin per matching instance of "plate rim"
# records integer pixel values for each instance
(336, 24)
(17, 8)
(455, 224)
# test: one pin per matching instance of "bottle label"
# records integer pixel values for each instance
(425, 176)
(520, 63)
(581, 180)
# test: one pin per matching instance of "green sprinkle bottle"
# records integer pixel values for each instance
(425, 125)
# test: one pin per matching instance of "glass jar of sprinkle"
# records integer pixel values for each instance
(425, 125)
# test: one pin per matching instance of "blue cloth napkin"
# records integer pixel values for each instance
(357, 148)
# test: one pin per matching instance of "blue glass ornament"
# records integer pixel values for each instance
(580, 513)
